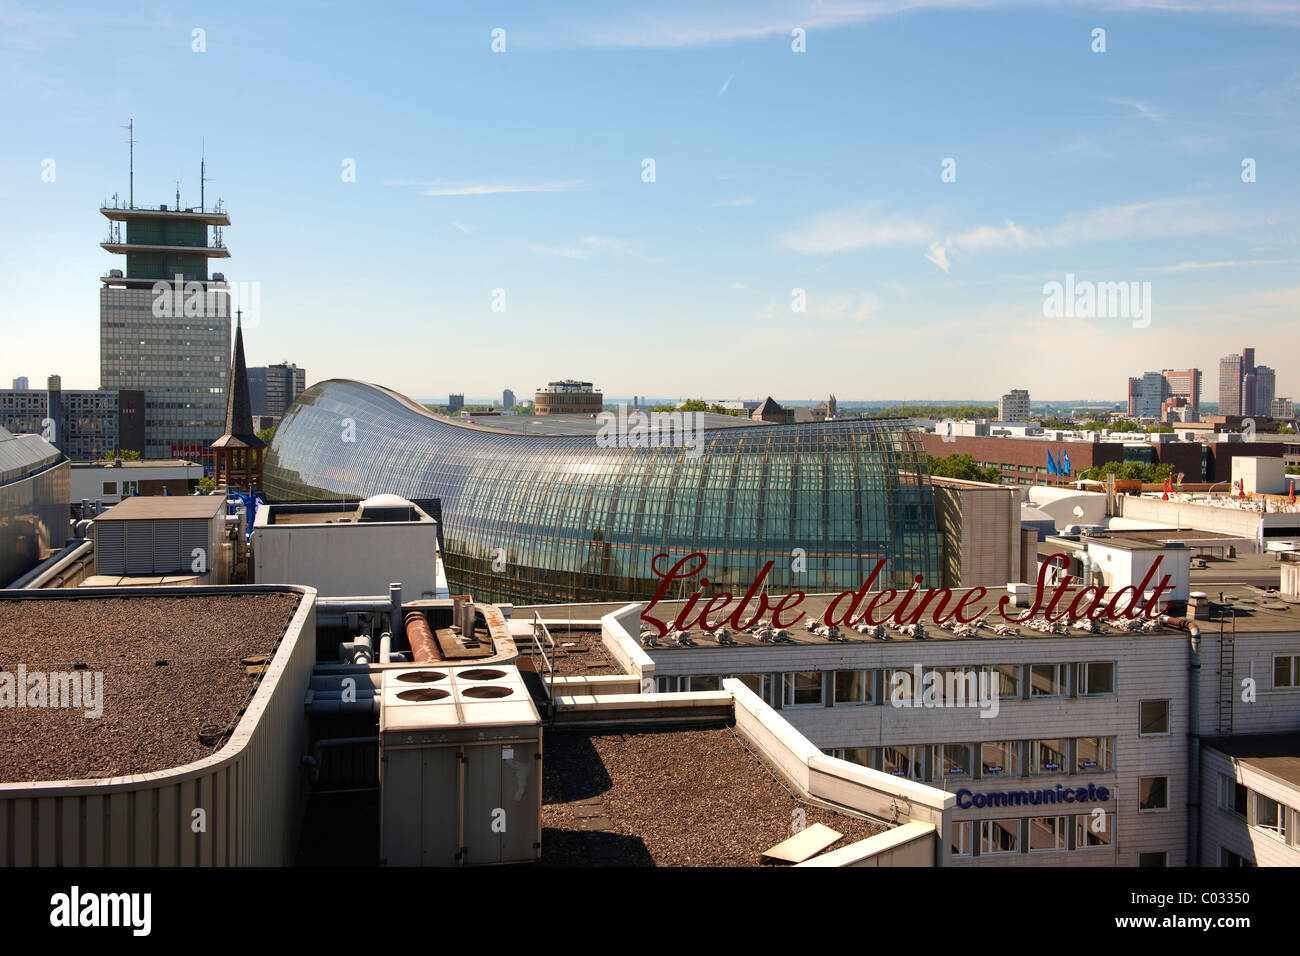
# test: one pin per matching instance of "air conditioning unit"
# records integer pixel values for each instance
(460, 767)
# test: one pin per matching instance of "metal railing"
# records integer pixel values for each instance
(541, 640)
(216, 210)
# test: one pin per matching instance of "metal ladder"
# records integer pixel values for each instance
(1227, 662)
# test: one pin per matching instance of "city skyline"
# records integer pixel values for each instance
(775, 171)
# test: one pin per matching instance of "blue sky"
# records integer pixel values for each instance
(774, 171)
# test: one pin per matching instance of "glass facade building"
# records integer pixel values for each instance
(541, 518)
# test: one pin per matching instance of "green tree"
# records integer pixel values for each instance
(207, 485)
(267, 434)
(964, 467)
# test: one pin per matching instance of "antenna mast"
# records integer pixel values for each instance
(131, 142)
(202, 172)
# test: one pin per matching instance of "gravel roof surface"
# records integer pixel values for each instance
(668, 798)
(585, 657)
(170, 665)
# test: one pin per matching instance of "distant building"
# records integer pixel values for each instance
(1155, 389)
(770, 411)
(1185, 384)
(1134, 396)
(85, 425)
(1281, 408)
(1239, 384)
(455, 403)
(507, 399)
(1265, 389)
(171, 343)
(20, 383)
(1014, 406)
(569, 397)
(272, 388)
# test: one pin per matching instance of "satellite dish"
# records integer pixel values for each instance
(1078, 511)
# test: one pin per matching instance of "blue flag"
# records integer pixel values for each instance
(1065, 462)
(1051, 464)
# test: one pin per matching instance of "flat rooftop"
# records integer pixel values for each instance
(171, 666)
(166, 506)
(1277, 755)
(639, 799)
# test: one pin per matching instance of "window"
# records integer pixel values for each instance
(803, 689)
(1153, 718)
(951, 760)
(760, 684)
(961, 845)
(866, 756)
(1232, 795)
(1094, 754)
(1270, 815)
(1153, 858)
(853, 687)
(110, 487)
(1000, 759)
(697, 682)
(898, 687)
(1047, 833)
(1286, 671)
(1153, 793)
(1046, 680)
(999, 836)
(1047, 756)
(666, 685)
(1093, 830)
(1003, 681)
(1097, 679)
(1228, 858)
(902, 762)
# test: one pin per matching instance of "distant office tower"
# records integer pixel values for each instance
(1155, 389)
(1014, 406)
(272, 388)
(1265, 389)
(569, 397)
(172, 343)
(1282, 408)
(1185, 384)
(1239, 384)
(20, 383)
(1134, 396)
(455, 403)
(508, 399)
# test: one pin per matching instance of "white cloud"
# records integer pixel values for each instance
(460, 225)
(742, 201)
(857, 227)
(1143, 110)
(726, 84)
(938, 254)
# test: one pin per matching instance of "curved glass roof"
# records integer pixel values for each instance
(539, 518)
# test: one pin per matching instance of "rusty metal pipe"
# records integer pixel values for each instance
(424, 649)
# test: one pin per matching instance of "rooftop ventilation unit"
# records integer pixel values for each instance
(460, 760)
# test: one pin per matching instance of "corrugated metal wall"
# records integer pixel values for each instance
(251, 792)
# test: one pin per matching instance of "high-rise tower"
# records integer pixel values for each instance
(164, 325)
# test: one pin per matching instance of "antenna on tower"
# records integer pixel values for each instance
(178, 195)
(203, 150)
(131, 142)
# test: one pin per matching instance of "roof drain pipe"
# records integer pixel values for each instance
(1193, 734)
(424, 650)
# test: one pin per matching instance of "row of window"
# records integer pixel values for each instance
(949, 686)
(1054, 834)
(1260, 812)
